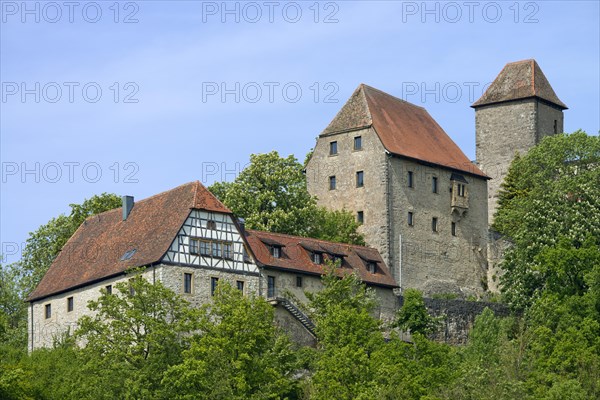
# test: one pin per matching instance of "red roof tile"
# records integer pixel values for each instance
(96, 248)
(404, 129)
(519, 80)
(296, 256)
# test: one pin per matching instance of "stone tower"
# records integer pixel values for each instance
(513, 115)
(421, 202)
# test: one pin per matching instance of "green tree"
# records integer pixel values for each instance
(348, 336)
(551, 200)
(271, 195)
(413, 316)
(238, 353)
(135, 335)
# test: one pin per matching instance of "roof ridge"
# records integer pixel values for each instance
(392, 96)
(140, 201)
(310, 238)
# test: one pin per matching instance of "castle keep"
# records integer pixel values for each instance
(424, 207)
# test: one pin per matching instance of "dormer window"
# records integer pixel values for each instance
(317, 258)
(276, 251)
(337, 260)
(371, 267)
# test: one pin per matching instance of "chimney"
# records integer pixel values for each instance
(127, 206)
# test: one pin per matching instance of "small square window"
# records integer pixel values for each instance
(411, 218)
(434, 224)
(453, 229)
(298, 281)
(187, 283)
(411, 179)
(360, 217)
(211, 225)
(360, 179)
(240, 286)
(332, 183)
(108, 289)
(205, 248)
(358, 143)
(333, 148)
(434, 184)
(213, 285)
(48, 311)
(69, 304)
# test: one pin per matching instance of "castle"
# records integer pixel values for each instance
(424, 206)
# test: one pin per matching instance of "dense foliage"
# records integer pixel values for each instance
(149, 343)
(549, 208)
(271, 195)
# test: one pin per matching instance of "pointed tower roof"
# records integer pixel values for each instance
(519, 80)
(97, 249)
(404, 129)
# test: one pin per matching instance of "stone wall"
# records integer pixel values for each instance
(458, 317)
(42, 331)
(501, 131)
(371, 199)
(437, 261)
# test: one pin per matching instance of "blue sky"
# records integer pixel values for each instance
(139, 97)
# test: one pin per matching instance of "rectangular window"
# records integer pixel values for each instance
(358, 143)
(555, 127)
(276, 251)
(434, 224)
(270, 286)
(298, 281)
(332, 183)
(211, 225)
(411, 181)
(333, 148)
(69, 304)
(216, 249)
(317, 258)
(411, 218)
(187, 283)
(205, 248)
(108, 289)
(461, 190)
(360, 217)
(371, 267)
(453, 229)
(360, 179)
(434, 184)
(131, 289)
(213, 285)
(240, 285)
(48, 311)
(193, 246)
(228, 251)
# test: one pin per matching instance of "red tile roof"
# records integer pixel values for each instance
(94, 251)
(519, 80)
(296, 253)
(404, 129)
